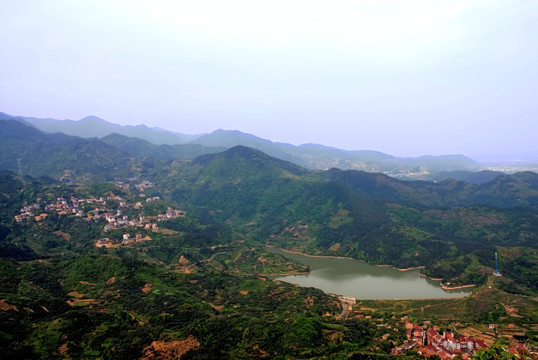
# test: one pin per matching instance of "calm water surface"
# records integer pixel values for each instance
(363, 281)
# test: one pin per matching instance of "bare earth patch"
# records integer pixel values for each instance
(78, 299)
(470, 331)
(86, 283)
(183, 261)
(511, 311)
(76, 294)
(66, 236)
(4, 306)
(169, 350)
(62, 349)
(147, 288)
(81, 302)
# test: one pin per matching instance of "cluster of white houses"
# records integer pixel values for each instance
(126, 240)
(99, 209)
(28, 212)
(62, 206)
(141, 186)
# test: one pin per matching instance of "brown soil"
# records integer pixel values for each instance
(488, 338)
(86, 283)
(411, 268)
(309, 301)
(62, 349)
(335, 247)
(4, 306)
(40, 217)
(76, 294)
(169, 350)
(183, 261)
(511, 311)
(147, 288)
(66, 236)
(218, 307)
(444, 287)
(72, 302)
(78, 298)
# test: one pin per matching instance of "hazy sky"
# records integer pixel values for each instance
(406, 77)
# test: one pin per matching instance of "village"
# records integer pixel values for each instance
(113, 209)
(429, 342)
(428, 339)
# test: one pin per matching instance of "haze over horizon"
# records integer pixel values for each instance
(407, 79)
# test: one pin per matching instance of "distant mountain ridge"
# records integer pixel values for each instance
(93, 126)
(310, 156)
(139, 147)
(320, 157)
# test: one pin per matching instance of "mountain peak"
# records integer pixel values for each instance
(94, 119)
(241, 155)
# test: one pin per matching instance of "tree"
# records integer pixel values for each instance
(494, 352)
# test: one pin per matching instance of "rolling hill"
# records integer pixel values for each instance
(311, 156)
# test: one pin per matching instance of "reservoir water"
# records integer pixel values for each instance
(363, 281)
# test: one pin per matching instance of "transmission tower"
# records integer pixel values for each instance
(496, 273)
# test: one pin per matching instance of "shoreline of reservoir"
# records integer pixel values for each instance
(346, 258)
(313, 256)
(358, 279)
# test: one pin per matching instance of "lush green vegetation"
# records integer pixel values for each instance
(206, 275)
(365, 216)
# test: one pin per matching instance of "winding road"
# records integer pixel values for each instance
(206, 260)
(346, 302)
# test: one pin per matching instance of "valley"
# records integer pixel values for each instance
(105, 253)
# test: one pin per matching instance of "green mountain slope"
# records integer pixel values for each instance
(520, 189)
(473, 177)
(357, 214)
(202, 284)
(70, 299)
(58, 155)
(142, 148)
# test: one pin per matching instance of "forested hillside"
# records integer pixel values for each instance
(111, 250)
